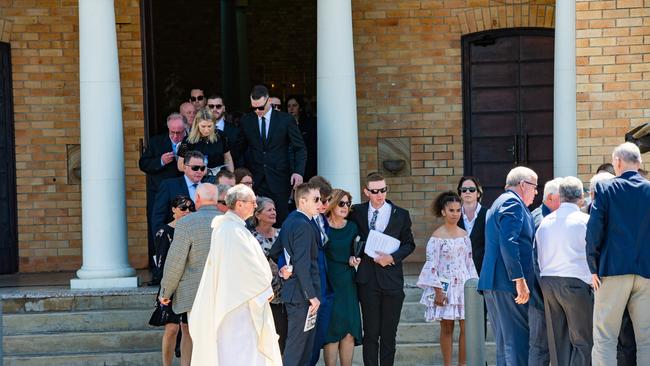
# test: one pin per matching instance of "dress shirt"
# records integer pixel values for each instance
(561, 245)
(220, 125)
(382, 218)
(191, 187)
(321, 227)
(469, 224)
(267, 118)
(174, 149)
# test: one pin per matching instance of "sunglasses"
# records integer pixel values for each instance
(276, 106)
(344, 203)
(215, 106)
(325, 200)
(197, 167)
(185, 208)
(221, 202)
(199, 98)
(377, 191)
(468, 189)
(316, 199)
(260, 108)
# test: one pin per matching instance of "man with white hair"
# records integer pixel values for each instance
(618, 254)
(508, 265)
(536, 320)
(231, 321)
(565, 278)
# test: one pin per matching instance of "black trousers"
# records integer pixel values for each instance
(280, 320)
(299, 344)
(381, 311)
(569, 308)
(281, 200)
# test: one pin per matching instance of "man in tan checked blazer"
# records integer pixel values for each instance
(186, 259)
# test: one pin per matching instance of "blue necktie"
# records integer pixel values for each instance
(373, 220)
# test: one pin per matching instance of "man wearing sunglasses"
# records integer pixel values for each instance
(380, 280)
(218, 109)
(197, 98)
(265, 136)
(193, 172)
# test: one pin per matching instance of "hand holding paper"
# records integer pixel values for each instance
(380, 243)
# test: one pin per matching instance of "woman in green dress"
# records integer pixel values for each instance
(345, 325)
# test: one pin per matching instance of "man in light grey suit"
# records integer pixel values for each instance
(186, 259)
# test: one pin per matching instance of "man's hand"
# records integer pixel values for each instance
(296, 179)
(167, 157)
(354, 261)
(164, 301)
(384, 259)
(595, 281)
(285, 272)
(315, 303)
(523, 294)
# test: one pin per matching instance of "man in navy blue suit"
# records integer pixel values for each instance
(508, 265)
(618, 254)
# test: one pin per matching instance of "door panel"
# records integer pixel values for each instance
(508, 105)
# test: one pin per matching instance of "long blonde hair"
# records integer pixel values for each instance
(204, 114)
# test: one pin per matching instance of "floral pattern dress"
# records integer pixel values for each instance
(266, 244)
(451, 260)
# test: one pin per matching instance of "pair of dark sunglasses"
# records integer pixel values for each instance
(197, 167)
(344, 203)
(377, 191)
(185, 208)
(316, 199)
(199, 98)
(215, 106)
(260, 108)
(467, 189)
(325, 200)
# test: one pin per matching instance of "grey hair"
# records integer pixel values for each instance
(262, 203)
(571, 190)
(518, 174)
(174, 116)
(627, 152)
(551, 187)
(208, 192)
(223, 189)
(240, 192)
(599, 178)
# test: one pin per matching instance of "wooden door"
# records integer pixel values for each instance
(8, 226)
(508, 105)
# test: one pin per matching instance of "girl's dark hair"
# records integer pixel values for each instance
(479, 188)
(183, 201)
(443, 200)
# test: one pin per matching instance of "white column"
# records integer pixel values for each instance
(103, 203)
(565, 149)
(338, 141)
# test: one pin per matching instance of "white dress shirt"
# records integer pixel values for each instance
(267, 117)
(382, 217)
(221, 124)
(191, 188)
(469, 224)
(561, 245)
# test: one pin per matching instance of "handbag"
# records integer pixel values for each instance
(161, 314)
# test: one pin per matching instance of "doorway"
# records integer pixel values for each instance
(508, 105)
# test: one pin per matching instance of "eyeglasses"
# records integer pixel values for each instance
(250, 184)
(199, 98)
(325, 200)
(467, 189)
(221, 202)
(175, 133)
(377, 191)
(215, 106)
(197, 167)
(532, 184)
(262, 107)
(344, 203)
(317, 199)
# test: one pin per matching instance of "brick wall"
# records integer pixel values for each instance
(45, 61)
(613, 76)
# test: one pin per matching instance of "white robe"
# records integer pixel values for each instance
(231, 321)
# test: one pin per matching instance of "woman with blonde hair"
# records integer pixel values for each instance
(213, 143)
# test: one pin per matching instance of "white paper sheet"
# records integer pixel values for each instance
(380, 242)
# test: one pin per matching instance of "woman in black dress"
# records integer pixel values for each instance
(181, 206)
(213, 143)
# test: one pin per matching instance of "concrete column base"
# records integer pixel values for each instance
(96, 283)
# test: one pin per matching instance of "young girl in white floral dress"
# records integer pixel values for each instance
(449, 264)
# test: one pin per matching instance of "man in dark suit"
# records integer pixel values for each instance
(158, 161)
(618, 255)
(194, 171)
(218, 109)
(380, 280)
(300, 238)
(264, 140)
(508, 266)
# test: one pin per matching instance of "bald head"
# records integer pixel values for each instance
(206, 195)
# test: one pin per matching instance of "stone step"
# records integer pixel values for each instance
(74, 343)
(81, 321)
(141, 358)
(70, 302)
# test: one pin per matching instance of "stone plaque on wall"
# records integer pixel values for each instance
(394, 156)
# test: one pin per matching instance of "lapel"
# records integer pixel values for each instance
(363, 222)
(393, 211)
(272, 127)
(183, 184)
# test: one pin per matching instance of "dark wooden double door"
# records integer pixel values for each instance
(508, 105)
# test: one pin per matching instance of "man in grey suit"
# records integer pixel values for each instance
(186, 259)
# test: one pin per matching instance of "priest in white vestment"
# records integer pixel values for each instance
(231, 321)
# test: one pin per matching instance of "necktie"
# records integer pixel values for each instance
(194, 189)
(263, 131)
(373, 220)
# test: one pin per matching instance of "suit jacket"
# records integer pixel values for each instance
(509, 233)
(270, 162)
(477, 237)
(150, 163)
(299, 237)
(232, 134)
(162, 209)
(186, 258)
(618, 231)
(399, 227)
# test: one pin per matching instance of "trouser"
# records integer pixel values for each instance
(297, 350)
(538, 354)
(615, 293)
(569, 304)
(280, 320)
(510, 327)
(281, 200)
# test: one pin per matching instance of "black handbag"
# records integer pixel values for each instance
(161, 314)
